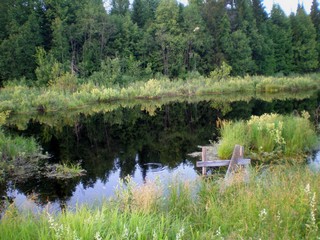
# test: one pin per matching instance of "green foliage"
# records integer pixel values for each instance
(3, 117)
(18, 49)
(109, 73)
(315, 18)
(65, 82)
(221, 73)
(48, 68)
(304, 42)
(241, 54)
(270, 137)
(160, 36)
(281, 35)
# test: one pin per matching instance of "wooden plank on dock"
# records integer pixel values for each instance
(221, 163)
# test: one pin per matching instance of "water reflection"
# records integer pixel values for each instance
(97, 192)
(314, 162)
(144, 141)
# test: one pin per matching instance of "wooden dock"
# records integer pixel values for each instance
(236, 162)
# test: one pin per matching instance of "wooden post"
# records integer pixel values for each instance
(204, 158)
(236, 155)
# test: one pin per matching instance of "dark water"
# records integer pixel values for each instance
(146, 141)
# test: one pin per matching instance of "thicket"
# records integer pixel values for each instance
(47, 42)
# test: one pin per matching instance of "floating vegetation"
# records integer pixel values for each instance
(63, 171)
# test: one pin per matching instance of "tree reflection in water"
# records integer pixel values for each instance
(125, 140)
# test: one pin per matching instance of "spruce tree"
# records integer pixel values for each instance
(198, 44)
(305, 55)
(241, 54)
(259, 13)
(18, 49)
(120, 7)
(281, 36)
(315, 17)
(225, 42)
(168, 38)
(138, 14)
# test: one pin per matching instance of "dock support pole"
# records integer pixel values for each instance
(204, 158)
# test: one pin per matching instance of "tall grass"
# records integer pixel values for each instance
(65, 94)
(12, 148)
(279, 203)
(270, 137)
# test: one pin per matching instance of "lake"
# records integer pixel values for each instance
(147, 140)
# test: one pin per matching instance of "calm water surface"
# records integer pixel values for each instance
(146, 141)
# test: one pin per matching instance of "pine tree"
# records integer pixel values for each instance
(305, 55)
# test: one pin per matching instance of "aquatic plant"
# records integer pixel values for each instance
(64, 170)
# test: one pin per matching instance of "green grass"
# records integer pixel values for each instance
(18, 153)
(19, 97)
(270, 137)
(12, 148)
(278, 203)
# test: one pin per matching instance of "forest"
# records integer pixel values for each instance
(119, 42)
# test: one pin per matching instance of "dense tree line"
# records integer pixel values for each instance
(42, 40)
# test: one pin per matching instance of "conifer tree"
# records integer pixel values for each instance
(120, 7)
(168, 37)
(305, 55)
(259, 13)
(281, 35)
(198, 40)
(315, 17)
(225, 42)
(241, 54)
(18, 49)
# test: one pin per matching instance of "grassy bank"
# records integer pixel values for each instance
(270, 137)
(279, 203)
(19, 97)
